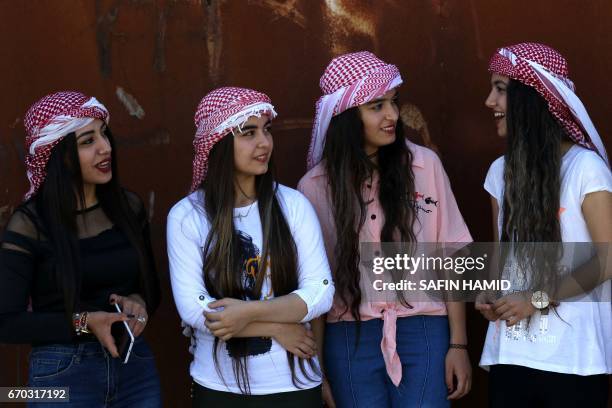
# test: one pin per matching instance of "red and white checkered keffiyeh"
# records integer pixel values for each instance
(545, 69)
(48, 121)
(349, 80)
(219, 113)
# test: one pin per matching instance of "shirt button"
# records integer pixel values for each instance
(325, 282)
(373, 216)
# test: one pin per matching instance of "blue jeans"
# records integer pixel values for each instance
(94, 378)
(358, 376)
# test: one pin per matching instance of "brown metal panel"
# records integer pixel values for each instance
(150, 62)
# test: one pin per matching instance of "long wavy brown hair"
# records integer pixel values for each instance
(532, 178)
(349, 168)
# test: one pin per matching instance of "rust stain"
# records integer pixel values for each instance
(344, 22)
(283, 9)
(214, 38)
(15, 123)
(151, 205)
(159, 60)
(293, 124)
(476, 26)
(130, 103)
(413, 118)
(104, 28)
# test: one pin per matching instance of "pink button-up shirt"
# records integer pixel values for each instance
(438, 220)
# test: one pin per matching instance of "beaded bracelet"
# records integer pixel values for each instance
(457, 346)
(79, 320)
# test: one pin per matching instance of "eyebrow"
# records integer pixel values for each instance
(85, 134)
(381, 99)
(250, 127)
(89, 132)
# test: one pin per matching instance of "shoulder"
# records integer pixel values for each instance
(587, 159)
(25, 221)
(134, 200)
(423, 156)
(313, 178)
(188, 206)
(294, 203)
(497, 166)
(291, 197)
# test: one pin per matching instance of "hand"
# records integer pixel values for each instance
(514, 307)
(296, 339)
(132, 305)
(231, 320)
(99, 323)
(484, 304)
(458, 366)
(328, 398)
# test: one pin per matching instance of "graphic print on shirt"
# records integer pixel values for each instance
(422, 202)
(250, 262)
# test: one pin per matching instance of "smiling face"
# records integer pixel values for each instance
(94, 151)
(379, 118)
(497, 102)
(253, 147)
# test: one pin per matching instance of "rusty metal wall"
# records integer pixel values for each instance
(150, 61)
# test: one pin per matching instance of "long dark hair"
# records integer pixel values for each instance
(532, 178)
(348, 168)
(223, 257)
(56, 206)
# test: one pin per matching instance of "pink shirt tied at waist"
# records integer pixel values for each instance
(438, 220)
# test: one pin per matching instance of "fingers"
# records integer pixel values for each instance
(461, 389)
(217, 303)
(114, 298)
(483, 306)
(109, 343)
(448, 377)
(502, 309)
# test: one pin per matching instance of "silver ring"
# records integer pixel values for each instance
(141, 319)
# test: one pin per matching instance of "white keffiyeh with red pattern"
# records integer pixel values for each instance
(349, 80)
(545, 69)
(48, 121)
(219, 113)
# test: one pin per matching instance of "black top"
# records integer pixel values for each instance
(108, 264)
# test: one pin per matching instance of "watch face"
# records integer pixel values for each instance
(539, 300)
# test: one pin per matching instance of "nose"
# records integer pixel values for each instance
(104, 146)
(490, 101)
(264, 139)
(391, 111)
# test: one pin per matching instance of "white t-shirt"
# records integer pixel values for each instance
(580, 342)
(268, 367)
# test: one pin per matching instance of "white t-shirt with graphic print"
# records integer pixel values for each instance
(580, 340)
(268, 368)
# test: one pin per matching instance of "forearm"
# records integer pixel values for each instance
(261, 329)
(456, 321)
(284, 309)
(318, 329)
(587, 276)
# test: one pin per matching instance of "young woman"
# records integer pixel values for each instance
(552, 185)
(369, 184)
(247, 263)
(78, 244)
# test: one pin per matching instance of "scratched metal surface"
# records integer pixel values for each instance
(150, 61)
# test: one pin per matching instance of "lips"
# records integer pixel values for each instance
(104, 166)
(499, 115)
(389, 129)
(263, 158)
